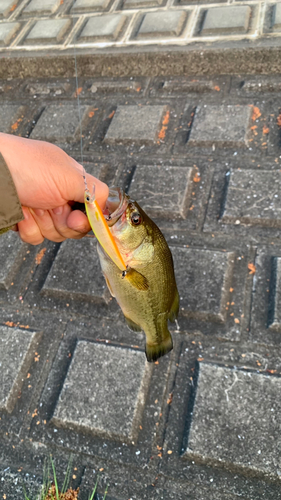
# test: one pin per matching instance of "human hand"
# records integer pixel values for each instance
(46, 180)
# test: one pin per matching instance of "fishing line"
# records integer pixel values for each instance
(77, 96)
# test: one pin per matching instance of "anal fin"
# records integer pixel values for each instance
(174, 311)
(132, 325)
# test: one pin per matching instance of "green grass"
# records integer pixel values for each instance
(47, 483)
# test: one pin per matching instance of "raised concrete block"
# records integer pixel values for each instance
(107, 27)
(203, 278)
(274, 313)
(17, 349)
(9, 114)
(135, 124)
(89, 5)
(37, 7)
(152, 184)
(11, 248)
(253, 197)
(222, 126)
(135, 4)
(236, 419)
(7, 7)
(76, 270)
(162, 24)
(59, 123)
(48, 31)
(8, 32)
(108, 385)
(226, 20)
(276, 17)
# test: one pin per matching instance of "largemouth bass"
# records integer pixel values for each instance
(146, 289)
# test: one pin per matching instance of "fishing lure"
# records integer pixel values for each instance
(102, 232)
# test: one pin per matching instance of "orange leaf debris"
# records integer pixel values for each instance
(166, 118)
(91, 114)
(78, 91)
(111, 115)
(279, 120)
(165, 122)
(256, 113)
(10, 323)
(217, 88)
(265, 130)
(16, 124)
(40, 255)
(197, 177)
(252, 268)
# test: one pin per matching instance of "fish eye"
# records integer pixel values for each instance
(136, 219)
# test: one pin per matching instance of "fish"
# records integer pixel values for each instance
(146, 289)
(105, 239)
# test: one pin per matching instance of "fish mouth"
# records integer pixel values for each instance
(116, 204)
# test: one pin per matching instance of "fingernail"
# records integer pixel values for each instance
(39, 212)
(58, 210)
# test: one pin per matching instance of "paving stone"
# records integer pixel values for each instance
(108, 27)
(259, 84)
(37, 7)
(59, 123)
(253, 197)
(133, 4)
(101, 404)
(185, 85)
(226, 20)
(274, 312)
(48, 31)
(51, 88)
(276, 17)
(162, 24)
(11, 248)
(14, 484)
(135, 124)
(76, 270)
(8, 32)
(222, 126)
(9, 114)
(162, 191)
(236, 419)
(90, 5)
(265, 327)
(17, 349)
(7, 7)
(126, 85)
(204, 279)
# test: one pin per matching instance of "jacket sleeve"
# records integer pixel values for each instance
(10, 207)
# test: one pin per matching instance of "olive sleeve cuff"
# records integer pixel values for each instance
(10, 208)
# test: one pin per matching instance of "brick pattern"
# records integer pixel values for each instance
(202, 157)
(130, 22)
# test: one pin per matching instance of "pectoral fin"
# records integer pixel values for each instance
(136, 279)
(109, 286)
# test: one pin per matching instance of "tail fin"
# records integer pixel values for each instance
(155, 351)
